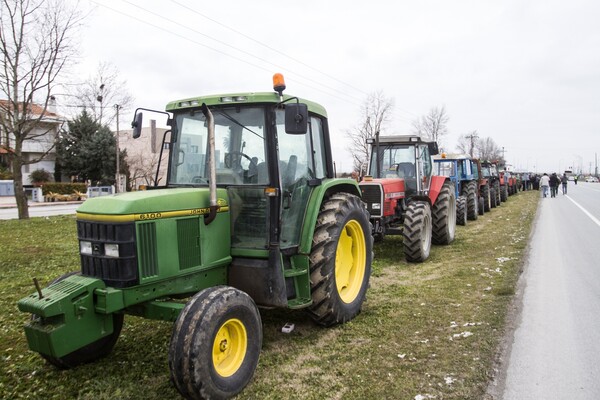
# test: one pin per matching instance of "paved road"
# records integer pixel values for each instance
(41, 211)
(555, 353)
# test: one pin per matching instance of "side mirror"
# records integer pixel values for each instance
(137, 125)
(296, 118)
(433, 148)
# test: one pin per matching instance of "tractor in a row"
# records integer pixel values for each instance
(250, 216)
(403, 196)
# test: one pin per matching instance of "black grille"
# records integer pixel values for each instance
(371, 195)
(119, 271)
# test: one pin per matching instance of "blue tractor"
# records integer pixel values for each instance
(462, 171)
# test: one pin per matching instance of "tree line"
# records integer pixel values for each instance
(376, 117)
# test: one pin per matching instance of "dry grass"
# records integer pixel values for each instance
(428, 329)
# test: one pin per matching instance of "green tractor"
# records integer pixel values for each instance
(250, 216)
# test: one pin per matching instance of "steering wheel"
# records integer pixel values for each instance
(200, 179)
(229, 159)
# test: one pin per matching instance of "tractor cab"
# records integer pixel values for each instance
(404, 157)
(268, 173)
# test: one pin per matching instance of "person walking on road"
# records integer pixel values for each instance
(544, 184)
(554, 181)
(564, 180)
(525, 181)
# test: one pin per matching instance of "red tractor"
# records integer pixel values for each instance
(403, 197)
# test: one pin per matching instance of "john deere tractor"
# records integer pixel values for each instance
(250, 216)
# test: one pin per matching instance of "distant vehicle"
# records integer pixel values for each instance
(592, 179)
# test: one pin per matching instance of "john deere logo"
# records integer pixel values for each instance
(222, 202)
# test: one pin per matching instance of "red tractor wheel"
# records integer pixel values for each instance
(417, 231)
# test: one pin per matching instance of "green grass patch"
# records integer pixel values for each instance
(429, 329)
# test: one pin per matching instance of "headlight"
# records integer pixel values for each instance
(111, 250)
(85, 247)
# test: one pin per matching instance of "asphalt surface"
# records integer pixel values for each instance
(555, 350)
(8, 208)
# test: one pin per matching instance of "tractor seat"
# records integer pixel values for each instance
(406, 170)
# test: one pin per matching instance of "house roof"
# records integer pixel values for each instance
(34, 109)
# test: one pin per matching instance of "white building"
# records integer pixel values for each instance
(41, 143)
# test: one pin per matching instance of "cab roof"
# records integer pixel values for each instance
(240, 99)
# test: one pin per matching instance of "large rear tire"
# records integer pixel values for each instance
(340, 260)
(472, 201)
(417, 231)
(215, 344)
(91, 352)
(443, 216)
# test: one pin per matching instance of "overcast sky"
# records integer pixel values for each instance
(524, 72)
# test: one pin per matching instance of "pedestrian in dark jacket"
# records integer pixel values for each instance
(554, 181)
(564, 180)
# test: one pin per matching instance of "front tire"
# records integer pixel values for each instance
(215, 344)
(340, 260)
(472, 201)
(461, 210)
(487, 198)
(417, 232)
(443, 216)
(504, 193)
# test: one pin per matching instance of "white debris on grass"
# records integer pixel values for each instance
(473, 324)
(453, 324)
(464, 334)
(424, 397)
(449, 380)
(503, 259)
(401, 356)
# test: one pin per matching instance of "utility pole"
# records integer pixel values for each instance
(472, 137)
(118, 180)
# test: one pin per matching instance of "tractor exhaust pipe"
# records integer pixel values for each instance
(212, 173)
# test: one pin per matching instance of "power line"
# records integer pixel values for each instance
(238, 49)
(221, 52)
(277, 51)
(267, 46)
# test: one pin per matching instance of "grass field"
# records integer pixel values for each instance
(427, 331)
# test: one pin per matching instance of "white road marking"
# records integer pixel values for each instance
(586, 212)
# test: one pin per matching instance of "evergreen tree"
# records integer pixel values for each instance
(87, 151)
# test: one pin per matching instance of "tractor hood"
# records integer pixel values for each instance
(146, 204)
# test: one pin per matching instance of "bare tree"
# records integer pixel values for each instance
(375, 115)
(433, 126)
(100, 92)
(37, 45)
(487, 149)
(143, 167)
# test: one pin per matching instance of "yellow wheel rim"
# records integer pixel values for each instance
(229, 347)
(350, 260)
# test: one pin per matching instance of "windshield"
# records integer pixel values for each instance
(239, 147)
(444, 168)
(396, 161)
